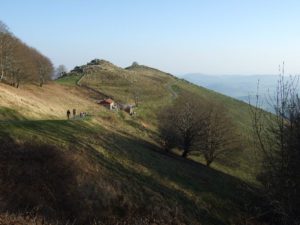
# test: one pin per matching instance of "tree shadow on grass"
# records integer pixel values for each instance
(149, 178)
(39, 179)
(138, 126)
(174, 178)
(56, 131)
(8, 114)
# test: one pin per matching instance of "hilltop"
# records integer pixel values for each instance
(122, 173)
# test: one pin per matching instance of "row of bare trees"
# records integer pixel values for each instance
(193, 125)
(20, 63)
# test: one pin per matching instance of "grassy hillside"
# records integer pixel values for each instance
(123, 174)
(155, 89)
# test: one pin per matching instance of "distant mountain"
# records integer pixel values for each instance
(238, 86)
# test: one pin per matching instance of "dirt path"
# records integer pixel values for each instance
(167, 86)
(90, 89)
(170, 89)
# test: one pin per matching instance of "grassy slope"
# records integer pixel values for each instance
(125, 148)
(244, 165)
(154, 87)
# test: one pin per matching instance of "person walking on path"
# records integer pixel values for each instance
(68, 114)
(74, 113)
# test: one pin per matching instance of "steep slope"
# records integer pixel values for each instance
(124, 175)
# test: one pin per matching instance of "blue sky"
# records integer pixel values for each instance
(187, 36)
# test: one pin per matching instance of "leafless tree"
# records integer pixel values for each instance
(20, 63)
(3, 27)
(60, 71)
(17, 65)
(168, 135)
(6, 48)
(278, 141)
(195, 125)
(180, 123)
(217, 135)
(44, 68)
(136, 96)
(136, 91)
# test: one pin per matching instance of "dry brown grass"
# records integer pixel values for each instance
(51, 101)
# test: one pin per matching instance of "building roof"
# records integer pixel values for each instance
(106, 101)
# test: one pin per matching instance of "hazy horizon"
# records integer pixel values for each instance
(213, 37)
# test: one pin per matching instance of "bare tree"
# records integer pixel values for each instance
(168, 135)
(136, 91)
(194, 125)
(217, 135)
(136, 96)
(44, 68)
(6, 48)
(20, 63)
(61, 70)
(180, 123)
(278, 141)
(3, 27)
(17, 63)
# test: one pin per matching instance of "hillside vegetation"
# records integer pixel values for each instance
(120, 175)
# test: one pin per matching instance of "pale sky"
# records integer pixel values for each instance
(187, 36)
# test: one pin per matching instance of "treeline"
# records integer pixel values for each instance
(20, 63)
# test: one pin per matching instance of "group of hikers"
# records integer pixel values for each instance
(81, 114)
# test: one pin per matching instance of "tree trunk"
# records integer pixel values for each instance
(2, 74)
(208, 159)
(208, 162)
(185, 153)
(41, 81)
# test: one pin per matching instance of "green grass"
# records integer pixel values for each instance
(8, 114)
(145, 176)
(69, 80)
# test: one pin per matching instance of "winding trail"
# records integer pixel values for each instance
(171, 90)
(168, 86)
(78, 83)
